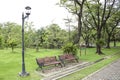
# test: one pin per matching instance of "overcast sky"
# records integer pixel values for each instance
(44, 12)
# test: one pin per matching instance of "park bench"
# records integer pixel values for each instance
(42, 62)
(67, 57)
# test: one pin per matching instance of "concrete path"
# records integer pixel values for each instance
(110, 72)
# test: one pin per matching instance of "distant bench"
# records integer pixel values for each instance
(47, 61)
(67, 57)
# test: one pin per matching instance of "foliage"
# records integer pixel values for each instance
(55, 36)
(101, 42)
(51, 36)
(12, 43)
(39, 38)
(70, 48)
(1, 42)
(11, 34)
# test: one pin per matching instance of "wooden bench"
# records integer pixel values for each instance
(67, 57)
(47, 61)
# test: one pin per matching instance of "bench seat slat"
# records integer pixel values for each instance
(55, 62)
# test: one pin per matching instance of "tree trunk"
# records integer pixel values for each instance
(99, 49)
(12, 48)
(77, 38)
(108, 42)
(79, 14)
(37, 48)
(98, 45)
(87, 43)
(114, 43)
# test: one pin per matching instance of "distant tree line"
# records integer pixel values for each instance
(49, 37)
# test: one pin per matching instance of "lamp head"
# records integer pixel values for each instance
(28, 10)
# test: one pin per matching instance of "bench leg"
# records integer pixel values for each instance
(37, 69)
(60, 64)
(41, 68)
(63, 63)
(55, 64)
(77, 60)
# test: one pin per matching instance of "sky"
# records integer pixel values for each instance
(43, 12)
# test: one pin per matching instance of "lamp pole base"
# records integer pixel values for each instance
(23, 74)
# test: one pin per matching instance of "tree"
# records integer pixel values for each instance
(115, 35)
(11, 32)
(100, 12)
(53, 31)
(111, 25)
(39, 38)
(75, 7)
(12, 43)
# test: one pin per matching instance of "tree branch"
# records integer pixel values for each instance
(91, 14)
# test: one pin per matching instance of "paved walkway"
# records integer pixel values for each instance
(110, 72)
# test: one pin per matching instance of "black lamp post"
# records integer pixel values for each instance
(24, 73)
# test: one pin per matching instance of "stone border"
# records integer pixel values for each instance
(67, 72)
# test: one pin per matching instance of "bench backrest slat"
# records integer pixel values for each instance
(66, 56)
(53, 58)
(46, 60)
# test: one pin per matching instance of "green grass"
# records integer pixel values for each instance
(92, 56)
(10, 62)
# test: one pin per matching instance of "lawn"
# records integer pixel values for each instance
(10, 62)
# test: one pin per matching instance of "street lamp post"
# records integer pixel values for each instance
(24, 73)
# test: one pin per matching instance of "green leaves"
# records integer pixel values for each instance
(101, 42)
(70, 48)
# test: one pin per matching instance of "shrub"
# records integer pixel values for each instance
(70, 48)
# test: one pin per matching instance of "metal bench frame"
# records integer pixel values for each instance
(42, 62)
